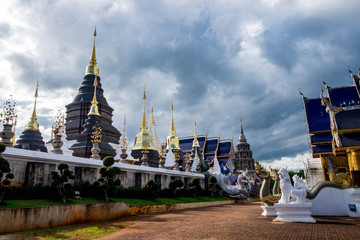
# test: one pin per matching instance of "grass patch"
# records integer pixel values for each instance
(129, 201)
(80, 231)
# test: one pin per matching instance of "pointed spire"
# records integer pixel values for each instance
(172, 138)
(242, 130)
(196, 141)
(94, 110)
(172, 127)
(123, 139)
(152, 120)
(143, 123)
(92, 67)
(242, 137)
(33, 124)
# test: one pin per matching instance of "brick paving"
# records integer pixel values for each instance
(234, 221)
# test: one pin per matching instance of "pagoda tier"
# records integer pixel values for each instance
(76, 112)
(31, 140)
(83, 145)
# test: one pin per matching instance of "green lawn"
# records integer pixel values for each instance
(129, 201)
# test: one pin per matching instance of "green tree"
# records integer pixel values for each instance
(5, 175)
(175, 184)
(195, 186)
(108, 180)
(213, 186)
(60, 179)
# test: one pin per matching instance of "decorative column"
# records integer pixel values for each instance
(58, 130)
(162, 158)
(96, 139)
(8, 118)
(187, 163)
(123, 143)
(176, 164)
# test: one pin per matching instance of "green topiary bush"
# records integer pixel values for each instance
(108, 180)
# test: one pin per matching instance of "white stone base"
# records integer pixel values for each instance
(269, 211)
(294, 213)
(357, 213)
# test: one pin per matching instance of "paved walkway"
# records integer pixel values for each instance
(236, 221)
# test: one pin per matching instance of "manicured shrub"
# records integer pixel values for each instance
(60, 179)
(175, 184)
(195, 186)
(213, 186)
(108, 180)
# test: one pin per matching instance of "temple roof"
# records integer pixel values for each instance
(186, 143)
(348, 119)
(343, 96)
(211, 145)
(316, 115)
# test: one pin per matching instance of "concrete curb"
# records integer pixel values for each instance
(34, 218)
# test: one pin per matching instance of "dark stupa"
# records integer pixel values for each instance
(83, 145)
(76, 112)
(31, 137)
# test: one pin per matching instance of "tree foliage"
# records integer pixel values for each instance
(195, 186)
(213, 186)
(5, 175)
(175, 184)
(60, 179)
(108, 180)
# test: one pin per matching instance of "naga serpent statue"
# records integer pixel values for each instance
(270, 198)
(266, 197)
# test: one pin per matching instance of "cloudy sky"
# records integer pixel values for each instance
(217, 60)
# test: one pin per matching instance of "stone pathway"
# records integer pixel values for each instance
(234, 221)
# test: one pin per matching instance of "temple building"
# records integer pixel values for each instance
(144, 144)
(334, 131)
(85, 140)
(31, 137)
(213, 150)
(77, 111)
(244, 159)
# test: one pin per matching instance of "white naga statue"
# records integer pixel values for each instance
(288, 190)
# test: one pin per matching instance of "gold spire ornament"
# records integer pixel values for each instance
(92, 67)
(94, 109)
(196, 141)
(143, 139)
(152, 120)
(143, 123)
(172, 138)
(33, 124)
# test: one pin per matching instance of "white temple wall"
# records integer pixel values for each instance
(32, 167)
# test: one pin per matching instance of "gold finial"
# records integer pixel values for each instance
(92, 67)
(143, 123)
(172, 127)
(172, 139)
(196, 141)
(33, 124)
(94, 110)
